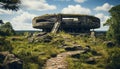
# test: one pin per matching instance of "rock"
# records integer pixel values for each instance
(47, 38)
(75, 56)
(44, 38)
(87, 49)
(73, 48)
(69, 48)
(53, 55)
(95, 53)
(16, 39)
(40, 37)
(110, 44)
(41, 34)
(78, 47)
(28, 35)
(90, 60)
(2, 56)
(9, 61)
(67, 39)
(30, 40)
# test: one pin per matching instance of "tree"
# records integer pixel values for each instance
(10, 4)
(108, 22)
(6, 29)
(114, 22)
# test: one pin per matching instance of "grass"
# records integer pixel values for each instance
(98, 48)
(35, 54)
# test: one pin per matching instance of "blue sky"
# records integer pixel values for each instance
(22, 19)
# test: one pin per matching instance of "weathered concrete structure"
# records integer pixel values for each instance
(67, 22)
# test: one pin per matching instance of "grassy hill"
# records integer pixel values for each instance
(35, 53)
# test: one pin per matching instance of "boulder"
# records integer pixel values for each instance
(73, 48)
(110, 44)
(78, 47)
(41, 34)
(95, 53)
(53, 55)
(27, 34)
(10, 61)
(30, 40)
(87, 49)
(90, 60)
(68, 48)
(16, 39)
(42, 38)
(75, 56)
(47, 38)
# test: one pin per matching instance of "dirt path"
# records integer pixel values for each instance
(59, 61)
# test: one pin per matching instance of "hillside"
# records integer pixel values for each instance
(34, 50)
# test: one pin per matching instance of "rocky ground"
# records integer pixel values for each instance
(9, 61)
(59, 62)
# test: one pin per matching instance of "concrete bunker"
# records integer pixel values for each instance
(73, 23)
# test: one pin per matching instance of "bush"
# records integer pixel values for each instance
(6, 29)
(5, 45)
(114, 22)
(113, 61)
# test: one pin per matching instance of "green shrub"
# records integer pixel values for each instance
(5, 44)
(6, 29)
(113, 61)
(114, 22)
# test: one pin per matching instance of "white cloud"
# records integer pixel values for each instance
(10, 12)
(105, 7)
(103, 19)
(2, 11)
(23, 21)
(79, 1)
(103, 28)
(37, 5)
(62, 0)
(76, 9)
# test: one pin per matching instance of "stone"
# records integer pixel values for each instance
(75, 56)
(87, 49)
(90, 60)
(47, 38)
(41, 34)
(95, 53)
(110, 44)
(78, 47)
(67, 48)
(30, 40)
(10, 61)
(53, 55)
(40, 38)
(73, 48)
(27, 35)
(16, 39)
